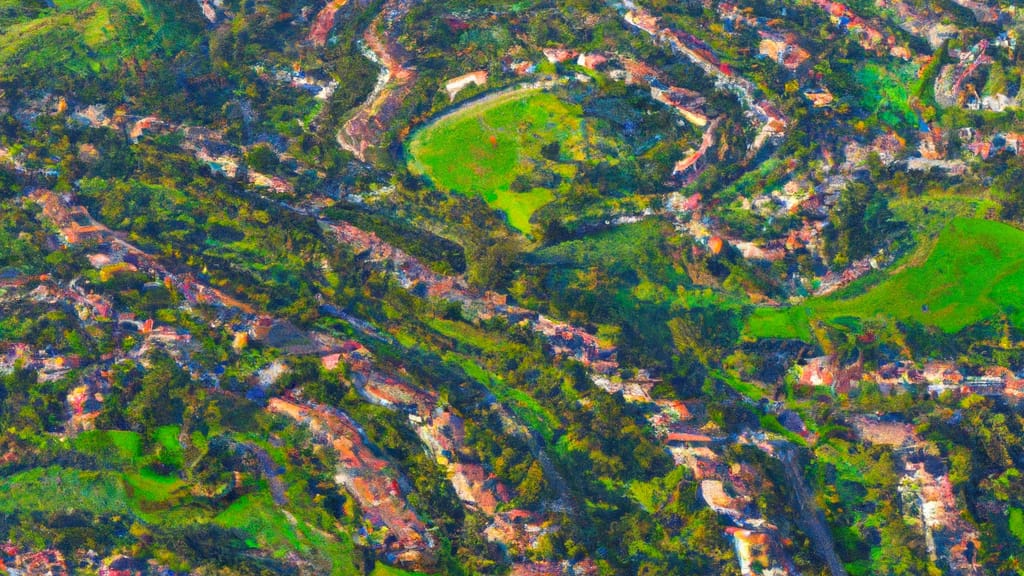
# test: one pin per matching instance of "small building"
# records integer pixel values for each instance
(456, 85)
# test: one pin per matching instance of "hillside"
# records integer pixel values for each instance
(544, 288)
(971, 274)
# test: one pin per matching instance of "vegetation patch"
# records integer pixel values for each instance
(57, 489)
(150, 487)
(257, 514)
(502, 144)
(886, 92)
(974, 273)
(86, 37)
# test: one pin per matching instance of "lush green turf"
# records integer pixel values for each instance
(258, 515)
(58, 489)
(147, 486)
(974, 272)
(458, 154)
(1016, 520)
(385, 570)
(273, 529)
(117, 445)
(171, 451)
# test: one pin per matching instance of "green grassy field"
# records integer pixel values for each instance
(58, 489)
(257, 514)
(974, 272)
(147, 486)
(385, 570)
(458, 154)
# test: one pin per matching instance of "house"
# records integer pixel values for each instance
(477, 488)
(884, 431)
(687, 439)
(643, 20)
(938, 372)
(370, 479)
(147, 125)
(687, 102)
(522, 67)
(714, 494)
(559, 55)
(819, 97)
(591, 61)
(783, 50)
(456, 85)
(756, 552)
(826, 371)
(690, 167)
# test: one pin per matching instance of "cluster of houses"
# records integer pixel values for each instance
(999, 143)
(959, 84)
(868, 36)
(458, 84)
(323, 22)
(938, 376)
(984, 12)
(393, 526)
(371, 120)
(770, 121)
(927, 24)
(731, 491)
(728, 489)
(319, 86)
(443, 433)
(18, 561)
(566, 340)
(208, 146)
(15, 561)
(926, 493)
(780, 47)
(213, 10)
(390, 523)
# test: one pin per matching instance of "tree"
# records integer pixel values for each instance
(262, 158)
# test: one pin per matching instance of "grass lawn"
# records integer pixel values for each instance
(257, 514)
(273, 529)
(117, 445)
(385, 570)
(147, 486)
(481, 148)
(58, 489)
(974, 272)
(167, 438)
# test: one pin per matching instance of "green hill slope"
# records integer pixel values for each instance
(974, 272)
